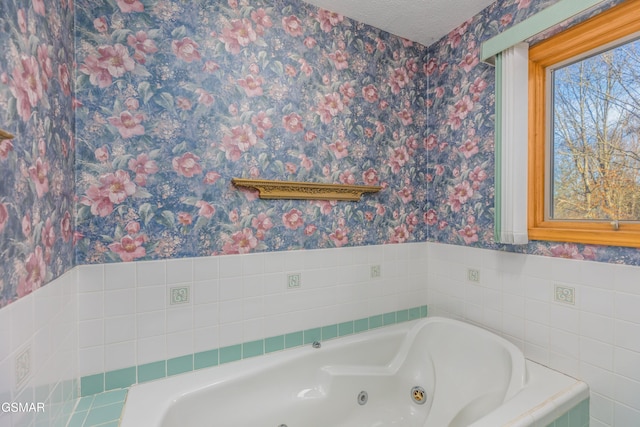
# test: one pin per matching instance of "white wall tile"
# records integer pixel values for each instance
(151, 273)
(179, 271)
(205, 268)
(121, 275)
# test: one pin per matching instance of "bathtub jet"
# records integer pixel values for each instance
(433, 372)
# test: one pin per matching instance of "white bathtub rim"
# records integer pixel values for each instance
(545, 392)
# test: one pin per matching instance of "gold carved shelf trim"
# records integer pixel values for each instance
(305, 190)
(5, 135)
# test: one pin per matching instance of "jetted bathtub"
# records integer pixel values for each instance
(433, 372)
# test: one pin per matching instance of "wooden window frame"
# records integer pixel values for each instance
(607, 27)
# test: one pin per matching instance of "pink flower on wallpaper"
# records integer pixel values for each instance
(478, 86)
(204, 97)
(262, 122)
(210, 67)
(292, 25)
(370, 176)
(310, 136)
(183, 103)
(26, 86)
(405, 117)
(101, 25)
(36, 272)
(129, 248)
(370, 93)
(339, 59)
(262, 223)
(64, 78)
(398, 158)
(430, 217)
(470, 147)
(262, 20)
(66, 227)
(347, 91)
(292, 122)
(26, 225)
(469, 61)
(339, 237)
(115, 59)
(128, 124)
(205, 209)
(38, 174)
(142, 166)
(128, 6)
(22, 21)
(329, 107)
(460, 195)
(328, 19)
(469, 234)
(142, 46)
(399, 79)
(117, 186)
(339, 148)
(4, 216)
(239, 35)
(566, 250)
(347, 177)
(405, 194)
(98, 74)
(102, 154)
(211, 177)
(38, 7)
(187, 165)
(252, 85)
(292, 219)
(185, 218)
(186, 49)
(243, 241)
(310, 229)
(478, 174)
(399, 234)
(6, 146)
(48, 235)
(523, 4)
(310, 42)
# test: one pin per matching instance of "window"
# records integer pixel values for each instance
(584, 132)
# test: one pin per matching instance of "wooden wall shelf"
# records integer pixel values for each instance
(5, 135)
(305, 190)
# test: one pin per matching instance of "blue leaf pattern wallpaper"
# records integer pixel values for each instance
(128, 134)
(36, 167)
(177, 98)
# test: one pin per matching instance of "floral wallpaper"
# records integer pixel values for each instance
(174, 99)
(37, 166)
(460, 137)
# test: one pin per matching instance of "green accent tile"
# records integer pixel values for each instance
(329, 332)
(402, 316)
(360, 325)
(111, 424)
(311, 335)
(345, 328)
(104, 414)
(85, 403)
(293, 339)
(274, 344)
(180, 365)
(375, 321)
(423, 311)
(231, 353)
(92, 384)
(563, 421)
(414, 313)
(120, 378)
(152, 371)
(205, 359)
(579, 415)
(109, 398)
(252, 349)
(389, 318)
(77, 419)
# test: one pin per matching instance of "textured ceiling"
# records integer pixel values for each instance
(423, 21)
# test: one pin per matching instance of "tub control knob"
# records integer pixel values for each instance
(316, 344)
